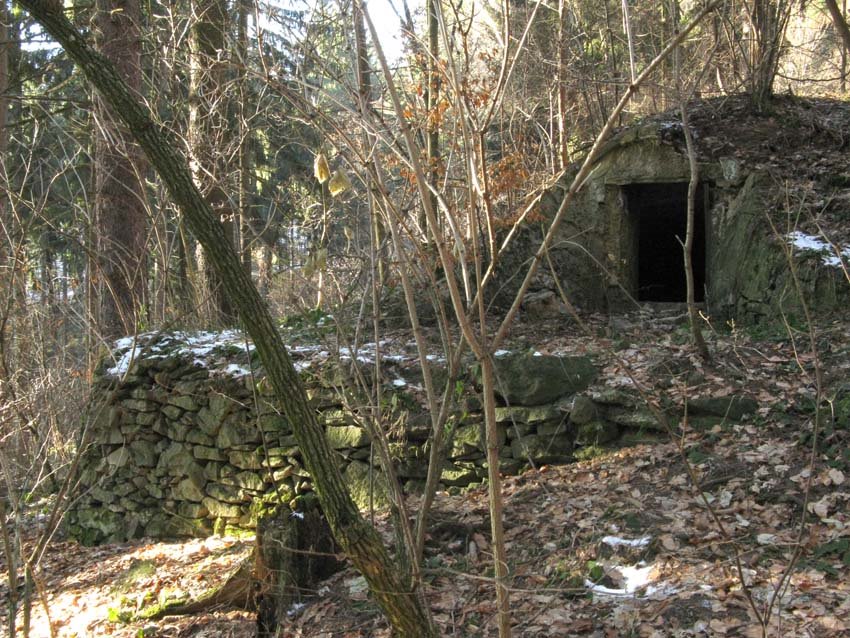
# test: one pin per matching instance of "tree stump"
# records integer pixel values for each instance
(295, 551)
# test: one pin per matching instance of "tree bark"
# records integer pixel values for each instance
(7, 257)
(246, 190)
(359, 540)
(208, 133)
(693, 186)
(494, 487)
(121, 220)
(6, 245)
(295, 551)
(768, 19)
(839, 22)
(432, 99)
(563, 127)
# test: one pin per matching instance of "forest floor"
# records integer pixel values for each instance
(622, 544)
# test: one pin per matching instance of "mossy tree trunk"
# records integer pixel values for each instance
(359, 540)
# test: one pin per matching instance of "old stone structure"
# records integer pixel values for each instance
(620, 241)
(184, 440)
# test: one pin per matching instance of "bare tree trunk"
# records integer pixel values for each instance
(11, 555)
(693, 186)
(187, 269)
(494, 487)
(407, 553)
(357, 538)
(208, 132)
(846, 50)
(768, 19)
(7, 260)
(840, 23)
(627, 29)
(432, 100)
(121, 220)
(246, 190)
(264, 269)
(563, 132)
(6, 242)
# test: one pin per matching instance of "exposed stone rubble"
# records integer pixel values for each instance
(184, 438)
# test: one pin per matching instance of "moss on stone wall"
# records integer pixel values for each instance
(180, 447)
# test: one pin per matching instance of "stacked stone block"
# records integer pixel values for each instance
(182, 446)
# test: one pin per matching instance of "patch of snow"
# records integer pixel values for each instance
(399, 383)
(807, 242)
(619, 381)
(296, 609)
(196, 346)
(803, 241)
(601, 590)
(615, 541)
(635, 578)
(123, 364)
(303, 349)
(661, 591)
(124, 342)
(766, 539)
(133, 345)
(236, 370)
(501, 353)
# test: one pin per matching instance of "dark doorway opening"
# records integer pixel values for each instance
(658, 213)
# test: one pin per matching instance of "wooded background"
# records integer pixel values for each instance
(345, 180)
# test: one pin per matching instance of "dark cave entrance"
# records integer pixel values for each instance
(658, 216)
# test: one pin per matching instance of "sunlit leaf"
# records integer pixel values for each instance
(321, 169)
(339, 183)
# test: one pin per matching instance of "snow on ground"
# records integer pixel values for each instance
(634, 577)
(832, 255)
(615, 541)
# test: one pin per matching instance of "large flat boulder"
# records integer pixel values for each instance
(528, 379)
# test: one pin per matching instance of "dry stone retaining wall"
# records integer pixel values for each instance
(184, 440)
